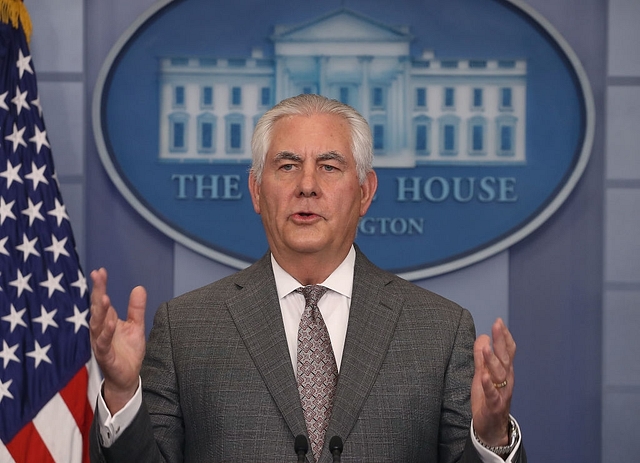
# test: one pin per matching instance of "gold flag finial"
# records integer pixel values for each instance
(14, 12)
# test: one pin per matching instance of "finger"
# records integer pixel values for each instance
(99, 278)
(100, 301)
(504, 346)
(494, 366)
(137, 304)
(102, 337)
(481, 343)
(491, 392)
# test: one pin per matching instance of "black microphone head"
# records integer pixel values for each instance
(301, 444)
(335, 445)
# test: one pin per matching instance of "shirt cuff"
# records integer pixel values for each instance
(487, 456)
(110, 427)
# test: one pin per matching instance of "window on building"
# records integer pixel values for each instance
(206, 133)
(378, 137)
(178, 135)
(449, 98)
(236, 96)
(506, 132)
(178, 96)
(421, 97)
(506, 98)
(207, 97)
(265, 96)
(449, 129)
(178, 130)
(421, 138)
(477, 136)
(235, 136)
(344, 95)
(377, 97)
(422, 134)
(506, 138)
(449, 137)
(235, 133)
(477, 102)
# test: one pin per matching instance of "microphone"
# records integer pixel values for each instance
(301, 446)
(335, 447)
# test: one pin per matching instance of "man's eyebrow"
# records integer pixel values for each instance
(287, 156)
(332, 156)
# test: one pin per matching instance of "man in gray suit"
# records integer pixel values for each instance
(221, 380)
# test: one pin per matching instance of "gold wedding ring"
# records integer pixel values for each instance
(500, 385)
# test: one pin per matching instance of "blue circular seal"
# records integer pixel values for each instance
(482, 119)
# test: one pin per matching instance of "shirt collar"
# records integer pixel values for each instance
(340, 280)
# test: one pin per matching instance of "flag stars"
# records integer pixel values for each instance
(79, 319)
(11, 173)
(23, 64)
(37, 104)
(57, 247)
(39, 354)
(40, 138)
(81, 283)
(37, 175)
(5, 210)
(16, 137)
(59, 212)
(21, 283)
(33, 211)
(46, 318)
(7, 354)
(52, 283)
(15, 317)
(4, 390)
(20, 100)
(28, 247)
(3, 100)
(3, 246)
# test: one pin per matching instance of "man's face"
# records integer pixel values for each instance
(310, 198)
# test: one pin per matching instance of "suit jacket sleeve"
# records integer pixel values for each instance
(143, 442)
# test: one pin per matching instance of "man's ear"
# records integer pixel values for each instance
(368, 189)
(254, 190)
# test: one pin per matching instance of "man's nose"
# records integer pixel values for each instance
(308, 185)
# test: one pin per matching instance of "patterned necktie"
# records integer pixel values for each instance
(317, 369)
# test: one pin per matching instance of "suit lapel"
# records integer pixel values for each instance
(373, 316)
(256, 313)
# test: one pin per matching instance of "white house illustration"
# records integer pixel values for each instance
(421, 109)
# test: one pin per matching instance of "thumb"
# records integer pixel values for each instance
(137, 304)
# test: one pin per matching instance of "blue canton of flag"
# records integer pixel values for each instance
(46, 377)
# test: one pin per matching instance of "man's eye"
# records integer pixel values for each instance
(286, 166)
(328, 168)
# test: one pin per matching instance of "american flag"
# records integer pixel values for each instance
(48, 382)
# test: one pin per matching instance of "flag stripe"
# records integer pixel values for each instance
(95, 378)
(59, 432)
(74, 396)
(27, 446)
(5, 456)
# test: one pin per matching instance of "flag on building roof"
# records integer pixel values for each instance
(48, 382)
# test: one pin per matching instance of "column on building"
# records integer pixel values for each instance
(365, 65)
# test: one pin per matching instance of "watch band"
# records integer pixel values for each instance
(502, 449)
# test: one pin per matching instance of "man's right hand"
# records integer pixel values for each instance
(118, 345)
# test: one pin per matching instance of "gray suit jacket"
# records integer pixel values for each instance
(218, 384)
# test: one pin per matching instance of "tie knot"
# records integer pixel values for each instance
(312, 293)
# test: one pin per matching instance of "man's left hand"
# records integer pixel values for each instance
(492, 386)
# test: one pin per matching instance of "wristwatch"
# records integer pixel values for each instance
(502, 449)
